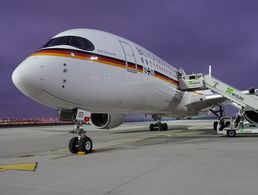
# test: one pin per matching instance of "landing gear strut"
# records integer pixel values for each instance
(158, 126)
(81, 142)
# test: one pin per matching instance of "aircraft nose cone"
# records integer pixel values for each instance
(24, 80)
(16, 77)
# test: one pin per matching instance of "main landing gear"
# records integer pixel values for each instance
(158, 126)
(81, 143)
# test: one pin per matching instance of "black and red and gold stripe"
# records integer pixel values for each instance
(101, 59)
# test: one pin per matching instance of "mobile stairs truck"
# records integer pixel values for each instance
(246, 121)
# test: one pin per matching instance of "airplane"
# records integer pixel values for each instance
(109, 77)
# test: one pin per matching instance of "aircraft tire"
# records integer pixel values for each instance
(74, 145)
(163, 127)
(85, 144)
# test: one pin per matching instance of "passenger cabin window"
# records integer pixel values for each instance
(142, 60)
(74, 41)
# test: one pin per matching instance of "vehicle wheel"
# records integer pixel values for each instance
(231, 133)
(215, 125)
(152, 127)
(74, 145)
(85, 144)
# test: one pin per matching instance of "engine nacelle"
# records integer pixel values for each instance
(106, 120)
(251, 116)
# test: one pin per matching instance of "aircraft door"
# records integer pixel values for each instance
(130, 60)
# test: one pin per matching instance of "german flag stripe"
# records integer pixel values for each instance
(139, 68)
(101, 59)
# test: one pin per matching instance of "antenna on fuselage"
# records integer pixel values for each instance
(210, 70)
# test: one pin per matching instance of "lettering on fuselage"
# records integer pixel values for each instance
(154, 66)
(106, 52)
(146, 54)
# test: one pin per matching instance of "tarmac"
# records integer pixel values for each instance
(189, 158)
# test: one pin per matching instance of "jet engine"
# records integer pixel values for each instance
(251, 116)
(106, 120)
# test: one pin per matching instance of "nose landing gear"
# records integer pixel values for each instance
(158, 126)
(81, 142)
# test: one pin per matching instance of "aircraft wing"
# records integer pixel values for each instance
(204, 100)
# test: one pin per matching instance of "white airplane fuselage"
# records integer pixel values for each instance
(117, 76)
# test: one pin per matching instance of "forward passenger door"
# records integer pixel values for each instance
(130, 60)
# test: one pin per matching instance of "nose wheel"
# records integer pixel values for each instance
(81, 143)
(85, 144)
(74, 145)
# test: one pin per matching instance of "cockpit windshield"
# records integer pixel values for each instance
(74, 41)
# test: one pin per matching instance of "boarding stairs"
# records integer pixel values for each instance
(201, 82)
(246, 101)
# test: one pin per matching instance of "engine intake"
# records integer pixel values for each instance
(106, 120)
(251, 116)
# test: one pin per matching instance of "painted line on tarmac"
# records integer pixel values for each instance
(32, 166)
(25, 155)
(61, 157)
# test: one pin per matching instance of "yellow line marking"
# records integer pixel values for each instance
(53, 150)
(20, 166)
(64, 150)
(81, 153)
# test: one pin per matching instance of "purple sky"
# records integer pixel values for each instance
(186, 33)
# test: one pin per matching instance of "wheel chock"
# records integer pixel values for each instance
(81, 153)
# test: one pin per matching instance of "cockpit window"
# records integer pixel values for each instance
(74, 41)
(58, 41)
(87, 44)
